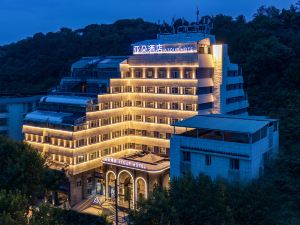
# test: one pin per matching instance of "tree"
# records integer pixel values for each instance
(22, 168)
(47, 215)
(156, 210)
(13, 208)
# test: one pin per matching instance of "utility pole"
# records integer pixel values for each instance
(116, 203)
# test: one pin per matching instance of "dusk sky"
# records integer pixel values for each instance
(23, 18)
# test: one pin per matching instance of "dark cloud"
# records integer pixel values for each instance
(22, 18)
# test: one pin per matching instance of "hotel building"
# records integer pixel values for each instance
(165, 80)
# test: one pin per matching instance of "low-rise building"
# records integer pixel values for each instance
(13, 109)
(231, 147)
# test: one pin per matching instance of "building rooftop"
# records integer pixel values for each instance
(230, 123)
(65, 99)
(20, 98)
(98, 62)
(177, 38)
(53, 117)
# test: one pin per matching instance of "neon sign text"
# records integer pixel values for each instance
(163, 49)
(124, 162)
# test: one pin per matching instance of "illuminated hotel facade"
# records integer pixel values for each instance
(168, 79)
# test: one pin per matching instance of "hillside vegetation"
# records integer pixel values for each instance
(268, 49)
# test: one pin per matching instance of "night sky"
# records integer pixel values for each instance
(23, 18)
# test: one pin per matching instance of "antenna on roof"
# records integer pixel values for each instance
(173, 25)
(159, 26)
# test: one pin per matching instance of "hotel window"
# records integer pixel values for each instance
(186, 156)
(204, 49)
(78, 183)
(162, 74)
(175, 90)
(168, 135)
(162, 151)
(150, 89)
(47, 139)
(106, 105)
(138, 89)
(81, 142)
(174, 120)
(127, 74)
(234, 164)
(105, 152)
(188, 107)
(127, 103)
(207, 160)
(94, 123)
(236, 86)
(204, 106)
(175, 105)
(162, 90)
(94, 139)
(235, 99)
(188, 91)
(105, 137)
(116, 89)
(127, 117)
(150, 104)
(139, 118)
(187, 74)
(150, 119)
(128, 89)
(175, 74)
(138, 103)
(162, 105)
(162, 120)
(138, 73)
(89, 180)
(204, 90)
(116, 105)
(105, 121)
(233, 73)
(93, 156)
(162, 135)
(80, 159)
(149, 73)
(204, 73)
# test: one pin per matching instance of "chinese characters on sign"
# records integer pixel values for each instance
(124, 162)
(162, 49)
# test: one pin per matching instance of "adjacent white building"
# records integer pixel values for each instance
(231, 147)
(12, 112)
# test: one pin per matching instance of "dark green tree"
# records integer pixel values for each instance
(13, 208)
(21, 168)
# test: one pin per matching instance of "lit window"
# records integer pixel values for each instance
(138, 73)
(175, 90)
(175, 74)
(149, 73)
(175, 105)
(162, 74)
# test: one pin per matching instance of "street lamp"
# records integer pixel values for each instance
(116, 201)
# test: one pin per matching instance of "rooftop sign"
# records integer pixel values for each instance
(123, 162)
(164, 49)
